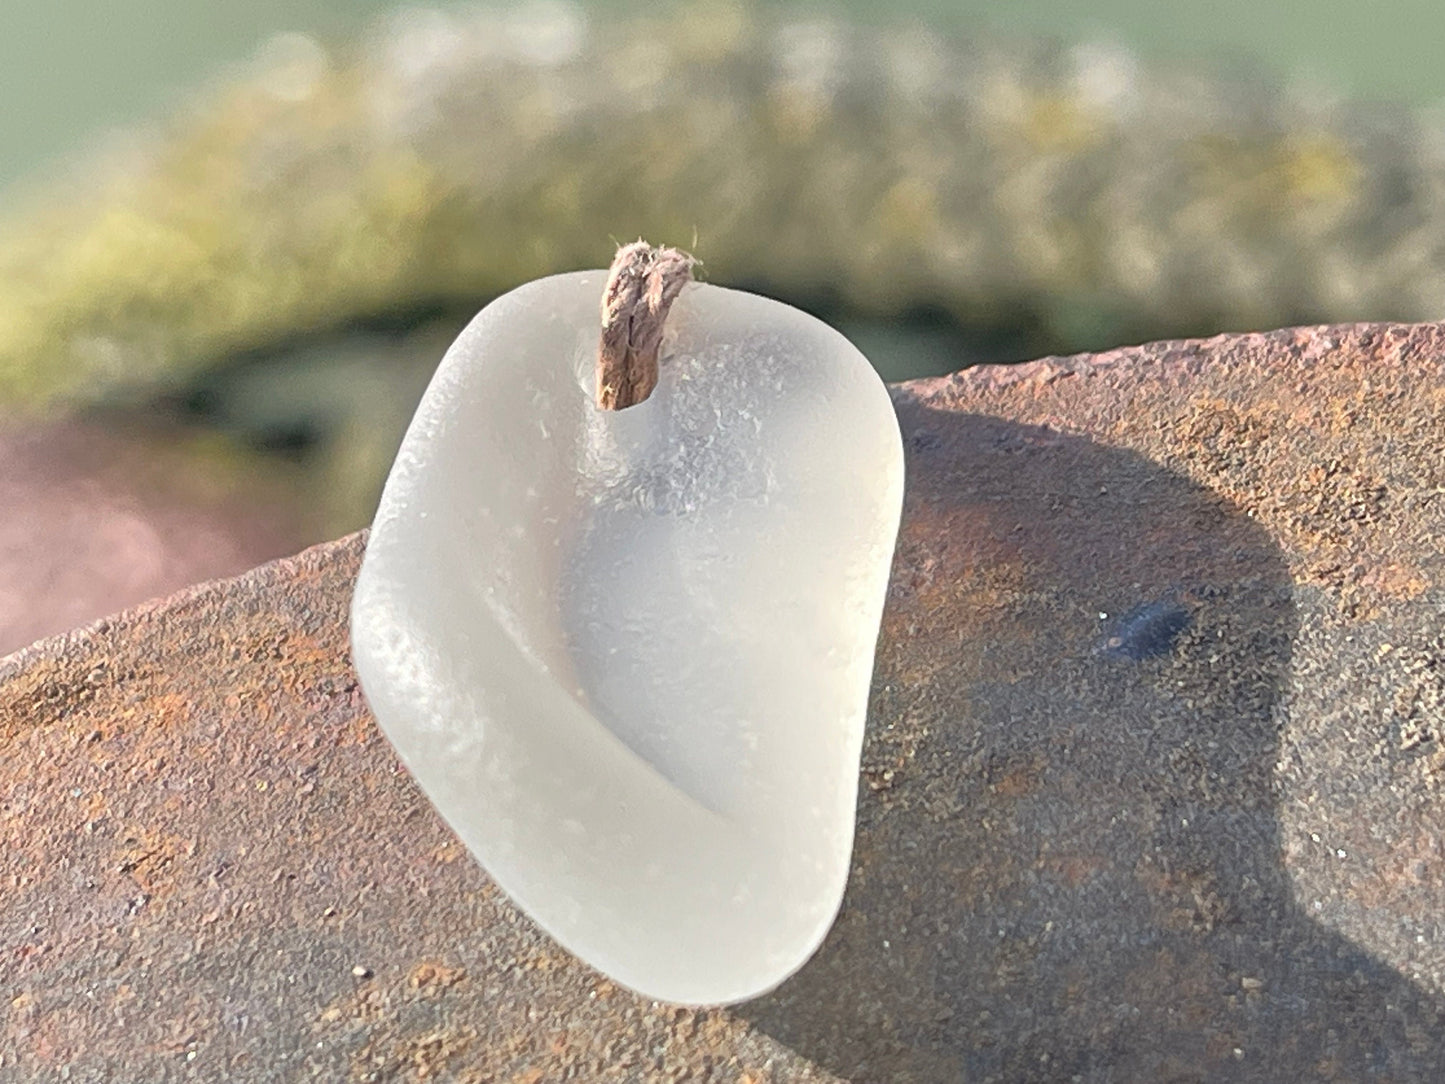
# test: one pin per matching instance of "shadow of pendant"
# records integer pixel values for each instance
(1069, 860)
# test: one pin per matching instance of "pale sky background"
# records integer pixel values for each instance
(70, 69)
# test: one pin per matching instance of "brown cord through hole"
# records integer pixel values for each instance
(641, 287)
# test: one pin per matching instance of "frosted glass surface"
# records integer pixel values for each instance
(627, 655)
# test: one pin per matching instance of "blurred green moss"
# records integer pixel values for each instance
(1030, 194)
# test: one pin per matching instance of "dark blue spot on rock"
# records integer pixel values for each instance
(1147, 631)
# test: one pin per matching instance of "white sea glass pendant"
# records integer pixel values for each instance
(627, 654)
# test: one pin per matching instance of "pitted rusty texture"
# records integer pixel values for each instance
(1151, 789)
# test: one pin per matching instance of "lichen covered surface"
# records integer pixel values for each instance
(1151, 789)
(1065, 195)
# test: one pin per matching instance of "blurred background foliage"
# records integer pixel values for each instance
(70, 69)
(244, 234)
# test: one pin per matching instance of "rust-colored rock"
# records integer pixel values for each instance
(92, 521)
(1152, 789)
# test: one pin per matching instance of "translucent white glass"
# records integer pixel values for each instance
(627, 655)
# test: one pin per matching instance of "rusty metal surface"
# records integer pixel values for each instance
(1151, 789)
